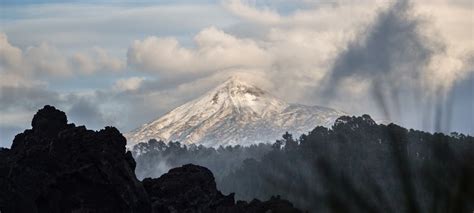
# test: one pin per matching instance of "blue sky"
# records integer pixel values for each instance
(123, 63)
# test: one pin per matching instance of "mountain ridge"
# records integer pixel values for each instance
(233, 113)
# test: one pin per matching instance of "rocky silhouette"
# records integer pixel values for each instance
(192, 188)
(184, 188)
(60, 167)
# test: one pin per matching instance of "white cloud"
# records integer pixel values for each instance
(289, 54)
(265, 16)
(323, 15)
(128, 84)
(107, 62)
(111, 25)
(21, 67)
(294, 52)
(444, 71)
(45, 59)
(10, 56)
(216, 50)
(96, 60)
(452, 22)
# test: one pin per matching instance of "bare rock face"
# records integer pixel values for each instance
(192, 188)
(189, 188)
(57, 167)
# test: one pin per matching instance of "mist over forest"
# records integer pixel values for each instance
(356, 166)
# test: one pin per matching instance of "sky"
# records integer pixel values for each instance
(125, 63)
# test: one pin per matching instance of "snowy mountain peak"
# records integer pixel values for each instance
(243, 97)
(235, 88)
(235, 112)
(234, 82)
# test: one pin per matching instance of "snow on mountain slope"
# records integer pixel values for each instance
(234, 113)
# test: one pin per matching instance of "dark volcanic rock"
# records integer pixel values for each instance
(192, 188)
(189, 188)
(58, 167)
(49, 121)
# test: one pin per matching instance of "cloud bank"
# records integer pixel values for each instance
(401, 60)
(44, 61)
(215, 50)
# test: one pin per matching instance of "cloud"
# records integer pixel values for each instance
(18, 105)
(392, 45)
(10, 55)
(215, 50)
(293, 51)
(43, 61)
(83, 110)
(97, 60)
(410, 69)
(128, 84)
(111, 25)
(323, 15)
(296, 52)
(299, 50)
(444, 70)
(22, 98)
(265, 15)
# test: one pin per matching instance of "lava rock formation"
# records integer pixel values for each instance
(60, 167)
(192, 188)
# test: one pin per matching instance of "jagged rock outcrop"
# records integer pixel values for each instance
(184, 189)
(192, 188)
(58, 167)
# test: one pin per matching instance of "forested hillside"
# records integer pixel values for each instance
(357, 166)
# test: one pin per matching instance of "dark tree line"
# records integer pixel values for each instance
(357, 166)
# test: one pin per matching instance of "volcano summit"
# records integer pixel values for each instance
(234, 113)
